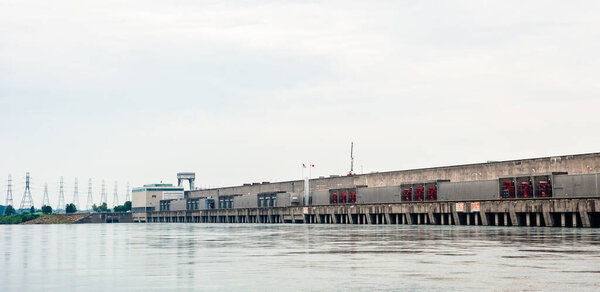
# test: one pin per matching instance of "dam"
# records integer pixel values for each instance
(559, 191)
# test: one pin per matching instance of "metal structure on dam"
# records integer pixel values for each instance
(560, 191)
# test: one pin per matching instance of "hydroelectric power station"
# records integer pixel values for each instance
(559, 191)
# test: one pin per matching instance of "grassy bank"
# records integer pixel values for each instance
(42, 219)
(17, 219)
(57, 219)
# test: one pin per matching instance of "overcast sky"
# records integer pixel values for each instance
(246, 91)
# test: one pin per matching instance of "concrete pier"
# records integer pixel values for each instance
(517, 212)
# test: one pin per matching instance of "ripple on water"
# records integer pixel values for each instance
(258, 257)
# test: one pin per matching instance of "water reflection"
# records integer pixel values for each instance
(296, 257)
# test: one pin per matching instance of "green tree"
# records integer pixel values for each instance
(127, 206)
(94, 208)
(46, 209)
(32, 210)
(9, 210)
(123, 208)
(71, 208)
(102, 208)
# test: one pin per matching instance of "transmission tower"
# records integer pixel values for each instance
(61, 196)
(103, 193)
(27, 201)
(90, 200)
(116, 196)
(76, 194)
(9, 199)
(46, 200)
(127, 193)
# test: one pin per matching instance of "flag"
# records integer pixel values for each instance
(303, 165)
(312, 165)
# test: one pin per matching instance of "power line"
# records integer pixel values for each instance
(127, 193)
(27, 201)
(61, 195)
(46, 200)
(116, 196)
(90, 200)
(76, 194)
(9, 198)
(103, 193)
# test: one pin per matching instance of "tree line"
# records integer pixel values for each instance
(69, 209)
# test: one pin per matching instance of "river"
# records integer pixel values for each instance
(286, 257)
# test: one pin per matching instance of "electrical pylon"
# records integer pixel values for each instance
(46, 200)
(90, 200)
(9, 199)
(61, 196)
(127, 193)
(76, 194)
(103, 193)
(27, 201)
(116, 196)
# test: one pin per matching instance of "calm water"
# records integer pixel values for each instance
(109, 257)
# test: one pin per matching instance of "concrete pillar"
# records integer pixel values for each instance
(496, 221)
(505, 219)
(418, 218)
(563, 221)
(409, 219)
(368, 218)
(388, 218)
(450, 219)
(456, 218)
(514, 219)
(397, 217)
(476, 218)
(585, 219)
(376, 218)
(548, 219)
(431, 217)
(538, 219)
(528, 219)
(468, 219)
(442, 219)
(483, 216)
(403, 218)
(574, 215)
(425, 219)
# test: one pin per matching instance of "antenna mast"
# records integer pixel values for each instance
(45, 200)
(351, 158)
(27, 201)
(9, 199)
(61, 195)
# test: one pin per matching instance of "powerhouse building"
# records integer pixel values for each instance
(568, 175)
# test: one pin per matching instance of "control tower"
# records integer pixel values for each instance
(189, 176)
